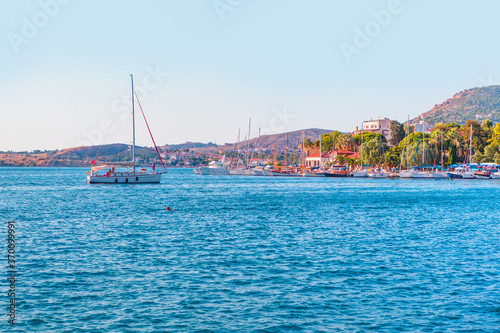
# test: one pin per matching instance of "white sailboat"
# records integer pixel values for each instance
(440, 174)
(422, 174)
(463, 172)
(408, 173)
(125, 173)
(361, 172)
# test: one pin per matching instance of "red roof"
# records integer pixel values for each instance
(317, 155)
(341, 152)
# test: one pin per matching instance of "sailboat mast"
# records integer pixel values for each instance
(274, 156)
(259, 150)
(470, 146)
(408, 144)
(423, 144)
(133, 122)
(302, 159)
(361, 164)
(442, 163)
(286, 150)
(248, 143)
(320, 150)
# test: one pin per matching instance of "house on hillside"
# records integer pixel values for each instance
(380, 125)
(422, 126)
(316, 160)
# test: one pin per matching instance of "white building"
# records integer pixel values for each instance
(316, 160)
(422, 126)
(380, 125)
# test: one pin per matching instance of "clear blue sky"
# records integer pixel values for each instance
(287, 64)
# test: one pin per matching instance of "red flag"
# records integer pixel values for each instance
(93, 162)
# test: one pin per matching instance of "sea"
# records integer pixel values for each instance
(250, 254)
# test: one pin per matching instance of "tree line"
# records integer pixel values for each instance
(406, 148)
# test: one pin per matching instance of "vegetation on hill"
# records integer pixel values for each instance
(455, 142)
(476, 103)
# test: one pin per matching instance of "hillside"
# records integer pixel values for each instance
(268, 141)
(83, 156)
(74, 157)
(476, 103)
(188, 145)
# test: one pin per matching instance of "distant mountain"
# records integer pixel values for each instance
(476, 103)
(92, 152)
(268, 141)
(188, 145)
(83, 156)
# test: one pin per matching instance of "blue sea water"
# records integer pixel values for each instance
(251, 254)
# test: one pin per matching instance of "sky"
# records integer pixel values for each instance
(203, 68)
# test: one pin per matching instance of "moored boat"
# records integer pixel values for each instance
(483, 174)
(215, 168)
(440, 175)
(337, 171)
(360, 173)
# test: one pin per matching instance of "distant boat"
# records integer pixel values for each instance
(215, 168)
(483, 174)
(440, 174)
(464, 172)
(360, 173)
(337, 171)
(406, 173)
(378, 174)
(125, 173)
(422, 174)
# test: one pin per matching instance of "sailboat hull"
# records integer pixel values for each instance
(129, 178)
(440, 175)
(423, 175)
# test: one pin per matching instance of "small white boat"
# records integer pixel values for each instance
(406, 173)
(312, 174)
(461, 175)
(360, 173)
(378, 174)
(422, 175)
(215, 168)
(495, 175)
(440, 175)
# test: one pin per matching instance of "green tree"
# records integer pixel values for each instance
(326, 142)
(398, 133)
(373, 152)
(452, 155)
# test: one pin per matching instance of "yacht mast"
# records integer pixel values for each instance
(423, 143)
(286, 150)
(133, 123)
(361, 146)
(320, 150)
(248, 143)
(302, 159)
(470, 146)
(408, 145)
(442, 164)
